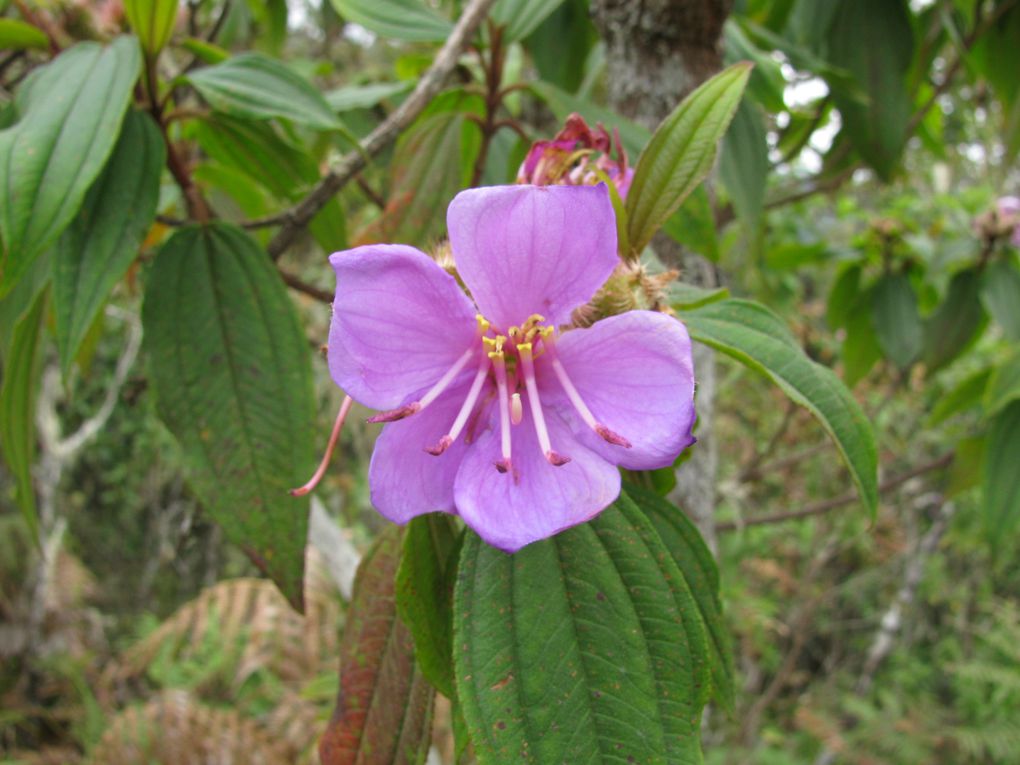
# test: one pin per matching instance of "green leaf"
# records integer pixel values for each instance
(683, 296)
(521, 17)
(17, 35)
(71, 112)
(967, 466)
(22, 298)
(152, 21)
(1001, 480)
(1003, 385)
(681, 152)
(18, 389)
(744, 164)
(843, 296)
(698, 568)
(257, 151)
(861, 349)
(756, 337)
(967, 393)
(206, 52)
(230, 367)
(253, 86)
(102, 241)
(383, 711)
(365, 96)
(693, 225)
(956, 323)
(424, 592)
(896, 318)
(1000, 293)
(586, 647)
(874, 41)
(409, 20)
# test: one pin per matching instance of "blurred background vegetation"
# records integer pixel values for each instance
(137, 634)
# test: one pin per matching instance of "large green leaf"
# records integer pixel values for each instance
(22, 297)
(1001, 480)
(383, 712)
(254, 86)
(681, 152)
(410, 20)
(153, 21)
(693, 225)
(744, 164)
(1000, 293)
(231, 372)
(424, 590)
(586, 647)
(861, 349)
(71, 112)
(874, 41)
(966, 394)
(756, 337)
(897, 320)
(103, 239)
(17, 407)
(697, 565)
(17, 35)
(365, 96)
(956, 323)
(521, 17)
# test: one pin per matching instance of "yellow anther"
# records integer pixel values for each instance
(483, 323)
(545, 332)
(524, 348)
(497, 356)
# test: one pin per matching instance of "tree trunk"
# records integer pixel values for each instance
(658, 51)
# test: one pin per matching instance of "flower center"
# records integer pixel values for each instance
(508, 361)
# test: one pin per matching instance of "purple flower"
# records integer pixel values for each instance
(495, 411)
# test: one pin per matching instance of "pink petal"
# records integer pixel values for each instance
(535, 500)
(523, 250)
(399, 322)
(406, 480)
(635, 373)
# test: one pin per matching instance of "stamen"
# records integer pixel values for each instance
(516, 409)
(433, 393)
(503, 396)
(465, 410)
(555, 458)
(320, 471)
(575, 398)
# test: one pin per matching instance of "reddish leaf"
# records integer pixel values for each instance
(383, 713)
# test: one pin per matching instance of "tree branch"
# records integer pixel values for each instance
(354, 161)
(836, 502)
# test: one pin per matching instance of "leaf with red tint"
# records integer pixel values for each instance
(383, 713)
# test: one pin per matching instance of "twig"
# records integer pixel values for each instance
(373, 196)
(323, 296)
(836, 502)
(354, 161)
(42, 22)
(751, 471)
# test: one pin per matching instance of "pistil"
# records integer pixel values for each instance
(527, 362)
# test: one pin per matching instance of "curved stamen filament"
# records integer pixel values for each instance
(528, 363)
(465, 410)
(431, 395)
(503, 397)
(575, 398)
(320, 471)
